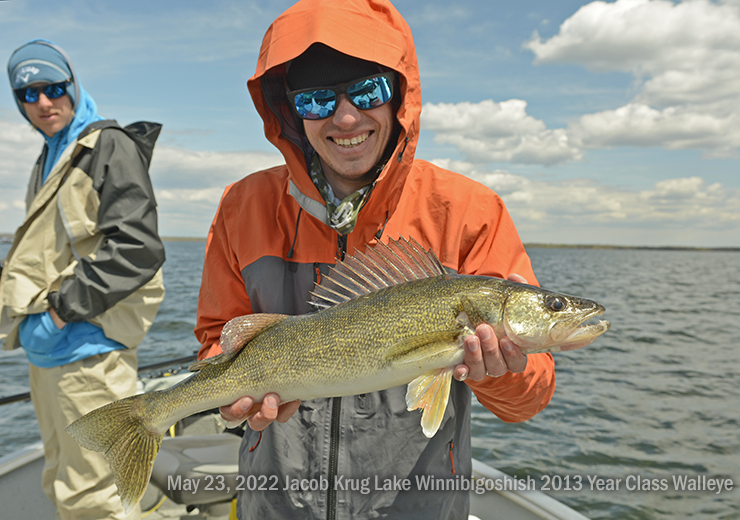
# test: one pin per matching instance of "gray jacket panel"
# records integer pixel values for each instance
(132, 252)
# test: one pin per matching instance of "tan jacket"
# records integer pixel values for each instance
(85, 249)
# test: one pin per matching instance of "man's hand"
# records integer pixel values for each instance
(487, 356)
(56, 319)
(270, 410)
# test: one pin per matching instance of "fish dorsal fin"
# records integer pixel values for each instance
(237, 333)
(379, 267)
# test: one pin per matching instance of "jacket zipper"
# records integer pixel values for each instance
(331, 494)
(336, 412)
(341, 246)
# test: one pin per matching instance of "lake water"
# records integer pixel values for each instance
(651, 404)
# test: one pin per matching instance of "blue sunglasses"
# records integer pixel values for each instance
(52, 91)
(320, 103)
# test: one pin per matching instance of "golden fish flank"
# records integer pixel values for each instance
(389, 316)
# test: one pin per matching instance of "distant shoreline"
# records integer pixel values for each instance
(650, 248)
(536, 245)
(5, 238)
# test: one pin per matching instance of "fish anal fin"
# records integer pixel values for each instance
(236, 334)
(430, 393)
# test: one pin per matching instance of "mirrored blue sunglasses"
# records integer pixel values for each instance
(321, 102)
(52, 91)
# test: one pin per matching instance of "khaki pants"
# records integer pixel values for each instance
(79, 481)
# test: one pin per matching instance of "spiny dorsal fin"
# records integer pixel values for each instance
(237, 333)
(379, 267)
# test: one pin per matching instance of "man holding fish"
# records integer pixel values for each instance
(338, 88)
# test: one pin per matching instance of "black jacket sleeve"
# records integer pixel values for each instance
(131, 252)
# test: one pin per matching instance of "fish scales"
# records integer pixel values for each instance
(354, 337)
(375, 331)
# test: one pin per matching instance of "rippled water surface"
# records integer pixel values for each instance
(656, 398)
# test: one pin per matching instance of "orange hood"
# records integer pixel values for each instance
(371, 30)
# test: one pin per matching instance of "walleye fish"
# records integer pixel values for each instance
(388, 317)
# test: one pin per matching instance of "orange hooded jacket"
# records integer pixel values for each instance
(465, 223)
(270, 238)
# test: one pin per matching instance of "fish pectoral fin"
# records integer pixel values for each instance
(422, 346)
(236, 334)
(430, 392)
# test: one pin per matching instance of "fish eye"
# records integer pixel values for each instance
(556, 303)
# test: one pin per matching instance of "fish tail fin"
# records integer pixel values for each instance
(430, 392)
(119, 431)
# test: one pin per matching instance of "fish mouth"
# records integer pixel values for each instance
(578, 333)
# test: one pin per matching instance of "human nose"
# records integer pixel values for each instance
(346, 113)
(43, 100)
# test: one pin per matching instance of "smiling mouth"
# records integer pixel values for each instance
(354, 141)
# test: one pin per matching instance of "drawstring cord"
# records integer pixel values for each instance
(295, 237)
(452, 460)
(380, 233)
(258, 443)
(405, 144)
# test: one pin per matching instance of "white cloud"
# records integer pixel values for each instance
(644, 36)
(681, 211)
(497, 132)
(636, 124)
(188, 184)
(685, 58)
(20, 144)
(179, 168)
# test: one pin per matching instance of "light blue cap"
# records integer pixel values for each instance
(41, 61)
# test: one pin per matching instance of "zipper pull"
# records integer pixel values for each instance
(341, 246)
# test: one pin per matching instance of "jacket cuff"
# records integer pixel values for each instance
(55, 301)
(518, 397)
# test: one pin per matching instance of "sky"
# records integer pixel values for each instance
(614, 123)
